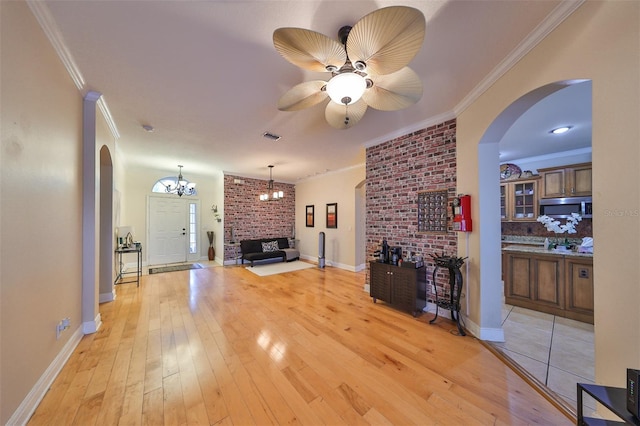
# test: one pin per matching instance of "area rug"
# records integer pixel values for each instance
(173, 268)
(279, 268)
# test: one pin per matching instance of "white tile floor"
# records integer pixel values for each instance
(557, 351)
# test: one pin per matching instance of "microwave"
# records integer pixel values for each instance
(561, 208)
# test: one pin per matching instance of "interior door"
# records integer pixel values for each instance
(168, 236)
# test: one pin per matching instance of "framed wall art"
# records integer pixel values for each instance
(332, 215)
(309, 215)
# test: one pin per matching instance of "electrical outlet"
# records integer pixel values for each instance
(62, 326)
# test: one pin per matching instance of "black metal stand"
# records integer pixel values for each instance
(453, 264)
(121, 267)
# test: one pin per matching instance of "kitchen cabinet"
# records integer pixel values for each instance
(519, 200)
(532, 281)
(579, 289)
(566, 181)
(557, 284)
(405, 288)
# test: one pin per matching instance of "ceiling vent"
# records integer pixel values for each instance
(271, 136)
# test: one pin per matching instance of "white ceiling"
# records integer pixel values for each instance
(206, 76)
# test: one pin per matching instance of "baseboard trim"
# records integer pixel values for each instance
(91, 327)
(28, 406)
(556, 400)
(107, 297)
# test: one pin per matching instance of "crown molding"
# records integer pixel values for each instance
(552, 156)
(50, 28)
(555, 18)
(432, 121)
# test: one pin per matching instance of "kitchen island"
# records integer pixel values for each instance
(558, 282)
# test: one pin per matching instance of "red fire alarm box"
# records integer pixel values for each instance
(462, 213)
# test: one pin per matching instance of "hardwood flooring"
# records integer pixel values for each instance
(223, 346)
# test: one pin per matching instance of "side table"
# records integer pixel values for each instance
(237, 253)
(137, 249)
(615, 399)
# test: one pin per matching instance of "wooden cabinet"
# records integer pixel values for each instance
(519, 200)
(532, 281)
(551, 283)
(579, 288)
(405, 288)
(566, 181)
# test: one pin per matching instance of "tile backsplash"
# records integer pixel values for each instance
(536, 229)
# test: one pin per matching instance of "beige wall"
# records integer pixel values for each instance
(41, 198)
(136, 188)
(600, 42)
(335, 187)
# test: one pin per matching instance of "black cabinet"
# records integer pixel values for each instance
(404, 288)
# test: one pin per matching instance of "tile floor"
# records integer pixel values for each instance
(204, 263)
(557, 351)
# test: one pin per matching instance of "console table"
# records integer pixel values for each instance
(137, 249)
(615, 399)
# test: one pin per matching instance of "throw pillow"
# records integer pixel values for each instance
(270, 246)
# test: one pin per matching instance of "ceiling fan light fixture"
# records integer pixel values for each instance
(346, 88)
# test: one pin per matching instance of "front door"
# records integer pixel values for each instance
(168, 230)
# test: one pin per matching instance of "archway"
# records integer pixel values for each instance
(489, 203)
(106, 236)
(488, 149)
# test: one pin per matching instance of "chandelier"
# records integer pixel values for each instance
(178, 185)
(271, 193)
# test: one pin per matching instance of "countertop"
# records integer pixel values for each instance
(539, 249)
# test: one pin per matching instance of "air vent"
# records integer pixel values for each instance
(238, 181)
(271, 136)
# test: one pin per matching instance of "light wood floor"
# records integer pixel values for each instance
(224, 346)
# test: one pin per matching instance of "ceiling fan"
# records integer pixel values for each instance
(368, 66)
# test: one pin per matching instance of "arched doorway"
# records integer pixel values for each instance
(105, 234)
(489, 161)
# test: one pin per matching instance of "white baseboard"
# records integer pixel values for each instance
(107, 297)
(91, 327)
(28, 406)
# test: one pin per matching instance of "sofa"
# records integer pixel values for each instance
(267, 248)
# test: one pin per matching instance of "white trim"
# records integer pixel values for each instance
(553, 156)
(107, 297)
(432, 121)
(555, 18)
(50, 28)
(29, 404)
(48, 24)
(90, 327)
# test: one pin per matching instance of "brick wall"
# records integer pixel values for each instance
(396, 171)
(251, 218)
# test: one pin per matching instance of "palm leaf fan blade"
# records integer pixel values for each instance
(303, 95)
(388, 39)
(308, 49)
(394, 91)
(344, 116)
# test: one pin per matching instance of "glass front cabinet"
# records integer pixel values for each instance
(519, 200)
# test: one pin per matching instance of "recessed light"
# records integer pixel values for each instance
(560, 130)
(148, 128)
